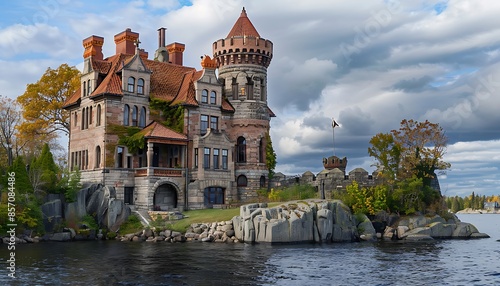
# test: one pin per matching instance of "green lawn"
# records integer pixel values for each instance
(203, 216)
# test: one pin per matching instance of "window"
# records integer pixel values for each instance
(75, 119)
(204, 124)
(90, 116)
(119, 156)
(249, 88)
(135, 110)
(140, 86)
(128, 197)
(261, 151)
(241, 148)
(262, 181)
(204, 96)
(234, 88)
(82, 126)
(126, 114)
(213, 97)
(196, 157)
(98, 116)
(213, 196)
(97, 156)
(131, 84)
(224, 159)
(84, 89)
(242, 181)
(206, 158)
(87, 118)
(142, 117)
(216, 158)
(89, 88)
(214, 123)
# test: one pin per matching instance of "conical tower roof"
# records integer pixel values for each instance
(243, 27)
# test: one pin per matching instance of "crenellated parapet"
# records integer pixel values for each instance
(243, 50)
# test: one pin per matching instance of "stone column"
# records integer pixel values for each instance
(149, 156)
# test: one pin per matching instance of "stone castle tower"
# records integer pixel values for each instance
(242, 59)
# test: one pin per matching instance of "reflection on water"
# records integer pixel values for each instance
(447, 262)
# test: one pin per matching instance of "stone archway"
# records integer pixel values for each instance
(165, 197)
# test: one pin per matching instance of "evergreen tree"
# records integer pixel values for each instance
(44, 171)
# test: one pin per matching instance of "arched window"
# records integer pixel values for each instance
(142, 117)
(86, 118)
(213, 97)
(135, 112)
(98, 116)
(140, 86)
(241, 148)
(249, 87)
(84, 89)
(262, 181)
(83, 119)
(242, 181)
(89, 88)
(90, 116)
(97, 156)
(213, 196)
(204, 96)
(131, 84)
(126, 114)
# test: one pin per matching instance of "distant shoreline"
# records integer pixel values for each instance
(471, 211)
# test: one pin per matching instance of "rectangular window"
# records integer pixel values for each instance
(204, 124)
(196, 157)
(119, 157)
(206, 158)
(214, 123)
(216, 158)
(129, 195)
(224, 159)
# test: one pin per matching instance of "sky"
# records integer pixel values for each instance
(368, 64)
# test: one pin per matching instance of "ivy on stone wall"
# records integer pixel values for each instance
(172, 116)
(128, 136)
(270, 156)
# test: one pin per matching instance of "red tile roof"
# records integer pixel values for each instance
(166, 79)
(243, 27)
(187, 93)
(157, 130)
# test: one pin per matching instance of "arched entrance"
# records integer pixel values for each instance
(165, 198)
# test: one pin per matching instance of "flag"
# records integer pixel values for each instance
(334, 123)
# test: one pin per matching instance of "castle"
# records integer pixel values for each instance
(167, 136)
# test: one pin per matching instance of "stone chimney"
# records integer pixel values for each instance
(126, 42)
(93, 47)
(175, 51)
(161, 37)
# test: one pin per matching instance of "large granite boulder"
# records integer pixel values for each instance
(298, 221)
(52, 214)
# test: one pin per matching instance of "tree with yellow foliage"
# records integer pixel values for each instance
(42, 101)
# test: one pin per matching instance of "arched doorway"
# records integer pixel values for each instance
(165, 198)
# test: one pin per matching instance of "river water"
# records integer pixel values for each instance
(440, 262)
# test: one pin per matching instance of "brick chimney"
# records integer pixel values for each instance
(126, 42)
(93, 47)
(175, 51)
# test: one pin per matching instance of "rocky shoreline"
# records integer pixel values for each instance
(319, 221)
(473, 211)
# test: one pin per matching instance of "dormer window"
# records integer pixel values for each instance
(88, 87)
(131, 84)
(140, 86)
(204, 96)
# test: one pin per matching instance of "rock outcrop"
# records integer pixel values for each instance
(431, 227)
(298, 221)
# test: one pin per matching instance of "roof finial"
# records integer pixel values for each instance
(243, 12)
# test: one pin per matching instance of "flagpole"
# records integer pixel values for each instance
(334, 124)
